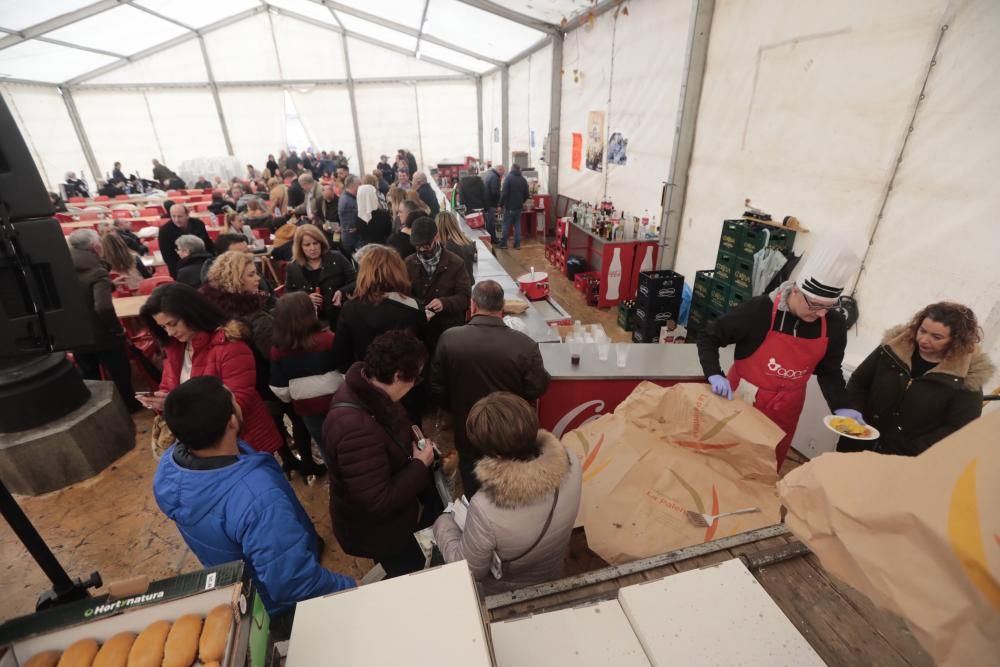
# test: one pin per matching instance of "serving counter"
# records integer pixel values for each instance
(585, 391)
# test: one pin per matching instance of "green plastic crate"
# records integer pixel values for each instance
(743, 274)
(718, 296)
(736, 297)
(732, 235)
(725, 264)
(697, 315)
(754, 239)
(702, 284)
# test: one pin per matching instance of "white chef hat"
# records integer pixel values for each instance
(828, 268)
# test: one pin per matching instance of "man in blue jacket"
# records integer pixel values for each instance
(231, 502)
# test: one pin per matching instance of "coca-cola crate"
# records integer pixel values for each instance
(581, 281)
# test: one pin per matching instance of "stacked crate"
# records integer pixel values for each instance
(731, 282)
(657, 300)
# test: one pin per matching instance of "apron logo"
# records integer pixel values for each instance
(774, 368)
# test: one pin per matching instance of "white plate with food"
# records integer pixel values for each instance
(849, 428)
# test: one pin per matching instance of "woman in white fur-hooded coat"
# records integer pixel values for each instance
(520, 474)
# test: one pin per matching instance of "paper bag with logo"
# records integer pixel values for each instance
(919, 536)
(663, 452)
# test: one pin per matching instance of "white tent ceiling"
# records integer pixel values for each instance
(83, 41)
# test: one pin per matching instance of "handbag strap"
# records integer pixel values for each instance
(545, 529)
(358, 406)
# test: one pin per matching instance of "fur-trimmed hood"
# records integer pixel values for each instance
(234, 304)
(975, 367)
(511, 483)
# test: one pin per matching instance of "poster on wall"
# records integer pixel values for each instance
(595, 141)
(577, 156)
(617, 148)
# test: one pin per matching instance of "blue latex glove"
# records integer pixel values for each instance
(853, 414)
(720, 386)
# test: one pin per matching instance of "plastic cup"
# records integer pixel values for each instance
(621, 354)
(603, 349)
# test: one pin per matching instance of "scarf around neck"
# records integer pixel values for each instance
(430, 264)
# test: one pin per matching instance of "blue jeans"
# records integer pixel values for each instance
(490, 216)
(314, 424)
(511, 218)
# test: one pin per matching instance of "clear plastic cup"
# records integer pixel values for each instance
(603, 349)
(621, 354)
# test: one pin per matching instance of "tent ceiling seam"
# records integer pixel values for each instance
(511, 15)
(131, 3)
(56, 22)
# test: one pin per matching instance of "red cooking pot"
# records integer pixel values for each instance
(535, 285)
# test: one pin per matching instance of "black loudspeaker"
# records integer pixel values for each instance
(41, 299)
(21, 188)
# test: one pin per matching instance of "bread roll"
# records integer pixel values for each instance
(214, 663)
(182, 642)
(147, 651)
(79, 654)
(114, 653)
(44, 659)
(212, 645)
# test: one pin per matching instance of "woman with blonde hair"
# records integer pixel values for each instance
(130, 269)
(453, 240)
(277, 199)
(394, 199)
(414, 197)
(325, 274)
(235, 223)
(379, 304)
(233, 286)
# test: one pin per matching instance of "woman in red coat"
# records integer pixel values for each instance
(199, 339)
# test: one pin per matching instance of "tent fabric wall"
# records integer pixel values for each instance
(371, 62)
(938, 239)
(186, 123)
(448, 124)
(530, 92)
(252, 40)
(48, 131)
(119, 128)
(255, 117)
(803, 110)
(308, 52)
(325, 112)
(387, 120)
(492, 111)
(615, 59)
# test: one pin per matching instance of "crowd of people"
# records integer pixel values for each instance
(378, 323)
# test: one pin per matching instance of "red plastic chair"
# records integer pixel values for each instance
(174, 193)
(152, 244)
(153, 210)
(64, 217)
(214, 233)
(198, 208)
(121, 213)
(90, 215)
(122, 197)
(147, 286)
(102, 198)
(77, 200)
(207, 191)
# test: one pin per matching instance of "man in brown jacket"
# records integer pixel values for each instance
(438, 280)
(108, 347)
(478, 359)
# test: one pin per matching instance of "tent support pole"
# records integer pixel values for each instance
(215, 96)
(504, 116)
(479, 113)
(81, 134)
(555, 113)
(675, 188)
(354, 108)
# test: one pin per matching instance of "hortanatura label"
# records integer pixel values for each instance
(123, 604)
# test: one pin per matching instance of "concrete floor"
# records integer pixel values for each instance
(111, 523)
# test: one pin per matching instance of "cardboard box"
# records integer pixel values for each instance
(102, 617)
(427, 619)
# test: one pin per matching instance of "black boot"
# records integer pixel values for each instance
(289, 463)
(303, 444)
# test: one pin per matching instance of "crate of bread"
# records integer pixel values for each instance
(200, 618)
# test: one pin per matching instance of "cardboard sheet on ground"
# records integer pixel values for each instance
(665, 451)
(919, 536)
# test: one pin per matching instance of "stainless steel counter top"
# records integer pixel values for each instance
(650, 361)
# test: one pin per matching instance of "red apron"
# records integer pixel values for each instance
(781, 368)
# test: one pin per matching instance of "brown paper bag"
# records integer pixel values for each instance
(919, 536)
(663, 452)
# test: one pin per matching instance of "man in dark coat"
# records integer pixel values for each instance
(163, 174)
(347, 212)
(513, 194)
(180, 223)
(438, 280)
(426, 193)
(193, 258)
(492, 181)
(108, 346)
(461, 373)
(124, 228)
(388, 173)
(472, 193)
